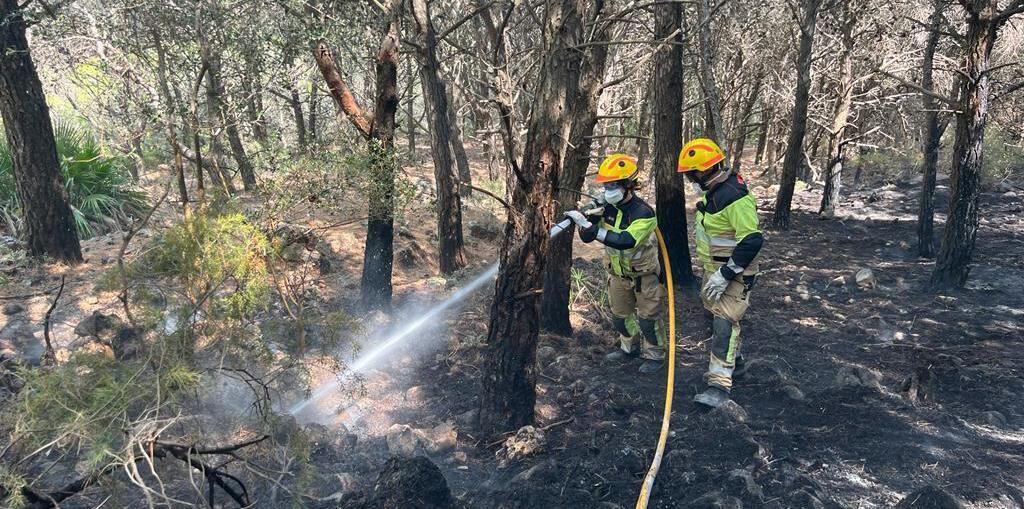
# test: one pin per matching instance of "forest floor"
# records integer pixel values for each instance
(855, 397)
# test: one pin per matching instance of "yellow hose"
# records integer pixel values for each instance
(645, 489)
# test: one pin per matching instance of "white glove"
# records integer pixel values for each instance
(715, 286)
(578, 218)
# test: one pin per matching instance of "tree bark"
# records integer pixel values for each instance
(410, 112)
(459, 151)
(952, 266)
(741, 124)
(840, 117)
(798, 128)
(510, 378)
(932, 138)
(714, 124)
(314, 100)
(168, 120)
(762, 136)
(554, 307)
(449, 204)
(300, 120)
(668, 132)
(379, 131)
(45, 207)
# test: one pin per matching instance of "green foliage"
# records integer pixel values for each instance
(207, 252)
(11, 482)
(888, 163)
(581, 287)
(102, 195)
(1002, 159)
(89, 399)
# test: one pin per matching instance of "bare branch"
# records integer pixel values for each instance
(919, 88)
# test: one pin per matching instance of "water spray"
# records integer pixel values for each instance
(406, 333)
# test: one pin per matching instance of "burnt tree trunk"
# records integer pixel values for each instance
(45, 208)
(459, 150)
(668, 134)
(314, 100)
(762, 134)
(300, 120)
(510, 378)
(449, 204)
(798, 128)
(741, 124)
(840, 118)
(932, 138)
(644, 126)
(952, 266)
(378, 253)
(554, 308)
(410, 112)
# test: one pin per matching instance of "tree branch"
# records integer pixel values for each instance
(920, 89)
(339, 90)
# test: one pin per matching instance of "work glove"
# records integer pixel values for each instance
(715, 286)
(578, 218)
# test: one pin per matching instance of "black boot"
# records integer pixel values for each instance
(712, 397)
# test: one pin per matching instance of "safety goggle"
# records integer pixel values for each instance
(611, 186)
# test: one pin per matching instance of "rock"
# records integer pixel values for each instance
(126, 343)
(995, 418)
(865, 279)
(546, 354)
(329, 261)
(741, 483)
(414, 483)
(765, 371)
(857, 376)
(13, 308)
(535, 471)
(441, 438)
(98, 325)
(415, 393)
(730, 411)
(838, 281)
(787, 300)
(929, 497)
(468, 418)
(793, 392)
(412, 256)
(485, 230)
(460, 457)
(715, 500)
(403, 440)
(526, 442)
(564, 398)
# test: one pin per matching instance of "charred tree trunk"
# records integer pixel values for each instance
(554, 307)
(668, 132)
(840, 118)
(952, 266)
(459, 150)
(762, 136)
(378, 254)
(798, 128)
(643, 126)
(410, 111)
(449, 204)
(932, 138)
(300, 121)
(45, 208)
(741, 124)
(314, 101)
(509, 382)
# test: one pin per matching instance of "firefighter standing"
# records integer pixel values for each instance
(728, 241)
(625, 224)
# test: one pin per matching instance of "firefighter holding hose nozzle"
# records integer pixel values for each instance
(625, 224)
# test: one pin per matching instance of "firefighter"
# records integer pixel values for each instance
(728, 241)
(625, 224)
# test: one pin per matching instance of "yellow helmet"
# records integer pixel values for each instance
(617, 167)
(701, 154)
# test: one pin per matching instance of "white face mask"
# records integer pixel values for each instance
(613, 196)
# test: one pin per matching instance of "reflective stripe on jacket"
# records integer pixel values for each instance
(631, 245)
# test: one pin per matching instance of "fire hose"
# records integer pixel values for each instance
(652, 472)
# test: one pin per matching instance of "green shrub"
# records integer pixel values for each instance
(102, 195)
(1002, 159)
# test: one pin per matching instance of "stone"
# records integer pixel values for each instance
(410, 483)
(441, 438)
(98, 325)
(730, 411)
(415, 393)
(530, 473)
(741, 483)
(468, 418)
(13, 308)
(838, 281)
(858, 376)
(995, 418)
(865, 279)
(929, 497)
(460, 457)
(403, 440)
(793, 392)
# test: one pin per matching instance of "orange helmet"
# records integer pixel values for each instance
(701, 154)
(617, 167)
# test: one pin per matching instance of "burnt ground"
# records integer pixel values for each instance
(856, 396)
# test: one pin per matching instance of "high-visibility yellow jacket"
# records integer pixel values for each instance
(630, 242)
(726, 230)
